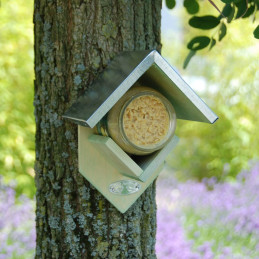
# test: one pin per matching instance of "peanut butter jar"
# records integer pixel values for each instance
(141, 122)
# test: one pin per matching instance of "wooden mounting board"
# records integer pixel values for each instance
(138, 167)
(98, 169)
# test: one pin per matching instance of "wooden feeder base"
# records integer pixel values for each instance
(102, 162)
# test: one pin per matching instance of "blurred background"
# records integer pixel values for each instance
(211, 178)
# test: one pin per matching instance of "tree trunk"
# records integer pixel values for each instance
(74, 41)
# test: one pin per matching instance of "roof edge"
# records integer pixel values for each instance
(186, 89)
(121, 89)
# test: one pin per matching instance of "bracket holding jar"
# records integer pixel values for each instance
(126, 122)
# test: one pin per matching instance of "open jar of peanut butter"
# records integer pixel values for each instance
(141, 122)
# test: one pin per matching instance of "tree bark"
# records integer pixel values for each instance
(74, 41)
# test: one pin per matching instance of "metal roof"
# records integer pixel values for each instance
(149, 68)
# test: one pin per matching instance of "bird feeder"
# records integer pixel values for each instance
(116, 172)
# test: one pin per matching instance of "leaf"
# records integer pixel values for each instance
(227, 10)
(204, 22)
(249, 11)
(231, 16)
(227, 1)
(256, 32)
(191, 6)
(198, 43)
(188, 58)
(170, 4)
(222, 31)
(213, 43)
(241, 9)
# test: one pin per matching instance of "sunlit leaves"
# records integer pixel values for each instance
(256, 32)
(195, 44)
(198, 43)
(191, 6)
(231, 15)
(222, 31)
(16, 91)
(188, 58)
(232, 10)
(249, 11)
(227, 10)
(170, 4)
(227, 1)
(206, 22)
(213, 43)
(241, 9)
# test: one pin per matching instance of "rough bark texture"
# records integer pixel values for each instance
(74, 41)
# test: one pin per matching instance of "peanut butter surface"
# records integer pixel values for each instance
(146, 120)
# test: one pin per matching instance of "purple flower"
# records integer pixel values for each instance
(231, 208)
(17, 226)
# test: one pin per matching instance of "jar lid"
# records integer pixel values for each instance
(147, 121)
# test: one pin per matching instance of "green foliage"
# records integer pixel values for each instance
(241, 9)
(230, 16)
(231, 90)
(218, 234)
(249, 11)
(170, 4)
(256, 32)
(206, 22)
(220, 150)
(227, 1)
(212, 44)
(227, 10)
(197, 43)
(187, 60)
(231, 11)
(16, 91)
(222, 31)
(192, 6)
